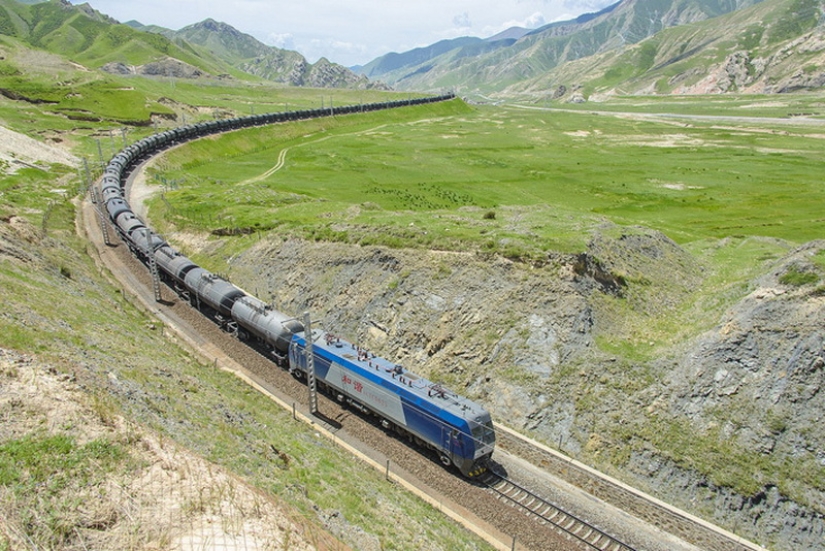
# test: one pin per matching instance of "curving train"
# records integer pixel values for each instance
(459, 430)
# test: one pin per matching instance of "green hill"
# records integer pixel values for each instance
(771, 47)
(635, 47)
(86, 36)
(205, 49)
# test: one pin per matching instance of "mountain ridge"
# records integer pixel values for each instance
(202, 50)
(635, 47)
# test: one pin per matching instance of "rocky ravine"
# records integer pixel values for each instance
(523, 341)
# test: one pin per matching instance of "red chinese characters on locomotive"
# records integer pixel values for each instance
(357, 385)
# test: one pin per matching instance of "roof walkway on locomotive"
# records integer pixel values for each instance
(395, 378)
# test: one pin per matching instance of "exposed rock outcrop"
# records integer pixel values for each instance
(168, 67)
(522, 340)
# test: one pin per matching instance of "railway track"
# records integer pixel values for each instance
(548, 513)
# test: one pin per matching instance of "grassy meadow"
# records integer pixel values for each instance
(520, 182)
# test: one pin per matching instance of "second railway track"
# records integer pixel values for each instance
(546, 512)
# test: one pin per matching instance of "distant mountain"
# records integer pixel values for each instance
(388, 63)
(774, 46)
(513, 33)
(249, 55)
(202, 50)
(633, 46)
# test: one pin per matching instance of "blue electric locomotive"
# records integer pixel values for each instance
(458, 429)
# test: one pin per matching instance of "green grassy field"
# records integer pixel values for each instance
(790, 106)
(514, 181)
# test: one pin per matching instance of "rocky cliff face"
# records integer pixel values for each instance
(778, 72)
(293, 69)
(523, 340)
(169, 67)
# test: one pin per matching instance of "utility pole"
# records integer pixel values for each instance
(311, 383)
(101, 216)
(153, 264)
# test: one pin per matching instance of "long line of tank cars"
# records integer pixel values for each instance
(459, 430)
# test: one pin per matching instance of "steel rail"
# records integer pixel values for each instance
(548, 513)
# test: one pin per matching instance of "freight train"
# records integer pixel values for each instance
(460, 431)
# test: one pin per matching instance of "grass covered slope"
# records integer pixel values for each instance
(595, 280)
(95, 336)
(86, 36)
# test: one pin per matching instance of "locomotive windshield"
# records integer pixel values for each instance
(484, 433)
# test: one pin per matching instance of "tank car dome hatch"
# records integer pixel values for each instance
(146, 240)
(117, 206)
(129, 223)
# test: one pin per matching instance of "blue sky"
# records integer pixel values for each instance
(351, 32)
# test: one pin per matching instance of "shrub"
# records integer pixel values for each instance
(797, 278)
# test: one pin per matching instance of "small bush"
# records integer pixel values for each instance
(797, 278)
(490, 215)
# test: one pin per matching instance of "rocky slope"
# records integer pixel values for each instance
(524, 341)
(632, 47)
(253, 57)
(205, 49)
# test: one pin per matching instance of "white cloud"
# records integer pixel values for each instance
(284, 41)
(462, 21)
(586, 6)
(532, 21)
